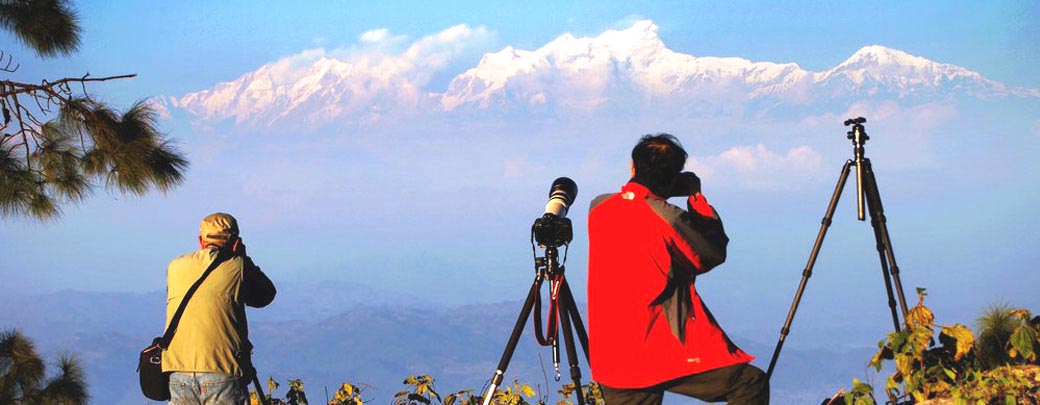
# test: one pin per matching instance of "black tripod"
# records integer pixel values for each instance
(866, 188)
(259, 391)
(550, 232)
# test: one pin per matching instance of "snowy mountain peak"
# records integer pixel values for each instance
(625, 69)
(641, 35)
(880, 55)
(876, 69)
(571, 71)
(887, 61)
(639, 38)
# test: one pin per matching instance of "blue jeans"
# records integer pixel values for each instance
(196, 388)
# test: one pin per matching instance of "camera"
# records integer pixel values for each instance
(553, 229)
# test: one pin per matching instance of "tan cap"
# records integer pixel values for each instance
(218, 227)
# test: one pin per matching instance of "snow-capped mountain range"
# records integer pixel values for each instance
(631, 68)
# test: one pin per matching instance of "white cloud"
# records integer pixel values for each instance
(374, 36)
(381, 50)
(758, 168)
(289, 69)
(519, 167)
(921, 117)
(381, 39)
(909, 136)
(443, 47)
(380, 76)
(628, 21)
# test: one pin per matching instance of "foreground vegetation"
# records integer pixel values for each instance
(23, 375)
(998, 366)
(420, 391)
(931, 364)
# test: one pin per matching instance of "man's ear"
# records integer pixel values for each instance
(202, 244)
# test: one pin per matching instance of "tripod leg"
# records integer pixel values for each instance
(525, 312)
(875, 219)
(826, 223)
(884, 242)
(572, 352)
(579, 327)
(259, 391)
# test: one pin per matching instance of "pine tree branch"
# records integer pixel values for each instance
(23, 129)
(11, 88)
(7, 67)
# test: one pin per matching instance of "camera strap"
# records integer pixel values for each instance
(552, 325)
(164, 341)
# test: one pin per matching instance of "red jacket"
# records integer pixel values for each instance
(647, 325)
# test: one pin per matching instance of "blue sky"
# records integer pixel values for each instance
(185, 46)
(392, 212)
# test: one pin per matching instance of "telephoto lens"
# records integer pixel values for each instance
(561, 195)
(554, 228)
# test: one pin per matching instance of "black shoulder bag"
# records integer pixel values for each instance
(155, 384)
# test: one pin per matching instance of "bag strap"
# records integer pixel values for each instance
(164, 341)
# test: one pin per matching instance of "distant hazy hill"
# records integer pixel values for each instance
(328, 334)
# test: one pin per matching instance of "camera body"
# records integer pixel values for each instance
(552, 231)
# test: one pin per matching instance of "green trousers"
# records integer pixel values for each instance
(737, 384)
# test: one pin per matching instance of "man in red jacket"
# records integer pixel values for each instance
(649, 331)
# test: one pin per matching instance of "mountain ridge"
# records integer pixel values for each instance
(374, 340)
(568, 74)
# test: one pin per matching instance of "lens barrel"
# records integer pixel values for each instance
(561, 195)
(554, 228)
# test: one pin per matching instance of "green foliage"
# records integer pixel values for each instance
(1024, 342)
(995, 327)
(347, 394)
(515, 395)
(23, 381)
(861, 394)
(464, 397)
(295, 396)
(69, 387)
(421, 393)
(954, 368)
(591, 392)
(49, 27)
(1005, 384)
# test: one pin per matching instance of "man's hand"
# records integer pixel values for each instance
(238, 247)
(686, 184)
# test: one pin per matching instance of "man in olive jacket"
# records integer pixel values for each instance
(209, 356)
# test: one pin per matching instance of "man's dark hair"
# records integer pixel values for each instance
(657, 160)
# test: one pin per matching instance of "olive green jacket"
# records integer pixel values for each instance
(213, 334)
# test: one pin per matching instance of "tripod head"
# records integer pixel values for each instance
(857, 120)
(858, 135)
(548, 265)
